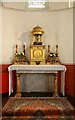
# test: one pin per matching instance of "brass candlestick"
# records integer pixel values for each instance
(57, 57)
(24, 49)
(48, 57)
(16, 49)
(56, 50)
(48, 49)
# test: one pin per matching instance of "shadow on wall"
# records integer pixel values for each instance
(24, 39)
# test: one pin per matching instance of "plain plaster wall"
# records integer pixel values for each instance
(0, 34)
(58, 27)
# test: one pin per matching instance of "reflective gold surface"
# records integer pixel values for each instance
(38, 53)
(37, 30)
(37, 50)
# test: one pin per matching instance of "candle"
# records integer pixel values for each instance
(24, 44)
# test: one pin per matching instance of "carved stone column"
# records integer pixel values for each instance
(55, 93)
(18, 86)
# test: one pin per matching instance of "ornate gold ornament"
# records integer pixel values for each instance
(37, 51)
(20, 57)
(52, 57)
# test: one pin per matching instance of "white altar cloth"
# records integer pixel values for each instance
(38, 69)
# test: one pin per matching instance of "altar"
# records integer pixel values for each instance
(50, 69)
(39, 62)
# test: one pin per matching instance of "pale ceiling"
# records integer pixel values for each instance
(51, 5)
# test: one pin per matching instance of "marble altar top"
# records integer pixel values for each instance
(37, 67)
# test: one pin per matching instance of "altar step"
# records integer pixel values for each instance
(39, 108)
(36, 94)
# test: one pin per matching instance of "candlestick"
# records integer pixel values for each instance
(48, 49)
(56, 50)
(24, 49)
(16, 48)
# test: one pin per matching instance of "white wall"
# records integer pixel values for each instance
(58, 27)
(0, 34)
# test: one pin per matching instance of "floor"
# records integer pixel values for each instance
(42, 107)
(5, 97)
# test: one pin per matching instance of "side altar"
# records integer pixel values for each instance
(38, 63)
(50, 69)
